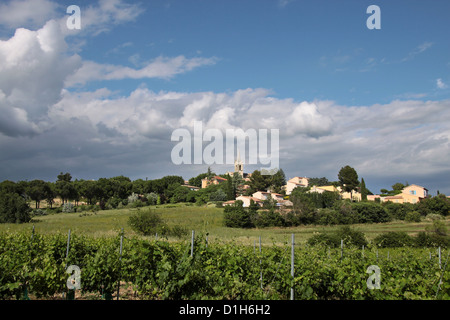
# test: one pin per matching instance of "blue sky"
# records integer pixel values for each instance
(103, 101)
(303, 50)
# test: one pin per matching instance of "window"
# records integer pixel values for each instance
(413, 192)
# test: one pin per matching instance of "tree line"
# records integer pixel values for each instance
(68, 195)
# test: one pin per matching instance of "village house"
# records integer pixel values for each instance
(261, 195)
(247, 200)
(354, 195)
(193, 188)
(214, 180)
(373, 197)
(295, 182)
(322, 189)
(410, 194)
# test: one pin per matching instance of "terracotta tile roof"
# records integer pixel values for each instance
(219, 178)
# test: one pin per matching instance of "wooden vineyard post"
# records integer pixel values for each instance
(192, 244)
(439, 255)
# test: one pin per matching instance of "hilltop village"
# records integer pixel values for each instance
(409, 194)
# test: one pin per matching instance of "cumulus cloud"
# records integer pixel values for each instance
(33, 66)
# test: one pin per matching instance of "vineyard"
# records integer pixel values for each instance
(34, 265)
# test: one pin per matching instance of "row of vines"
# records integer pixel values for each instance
(161, 270)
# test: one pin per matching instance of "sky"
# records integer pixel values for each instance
(104, 100)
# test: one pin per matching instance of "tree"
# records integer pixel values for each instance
(90, 190)
(197, 181)
(14, 209)
(318, 182)
(64, 187)
(258, 182)
(364, 190)
(348, 179)
(64, 177)
(218, 195)
(398, 187)
(278, 180)
(12, 187)
(238, 184)
(139, 186)
(50, 194)
(304, 208)
(231, 190)
(37, 191)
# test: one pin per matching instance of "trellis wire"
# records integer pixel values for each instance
(439, 254)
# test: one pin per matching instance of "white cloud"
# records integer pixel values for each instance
(161, 67)
(101, 17)
(284, 3)
(33, 66)
(440, 84)
(30, 13)
(418, 50)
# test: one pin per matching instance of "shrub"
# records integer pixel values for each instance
(268, 218)
(235, 216)
(178, 231)
(412, 216)
(424, 239)
(350, 237)
(370, 212)
(38, 212)
(133, 198)
(398, 210)
(322, 239)
(148, 223)
(434, 216)
(438, 227)
(136, 204)
(327, 216)
(152, 198)
(112, 203)
(345, 213)
(68, 207)
(394, 239)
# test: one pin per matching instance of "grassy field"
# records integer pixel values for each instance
(200, 219)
